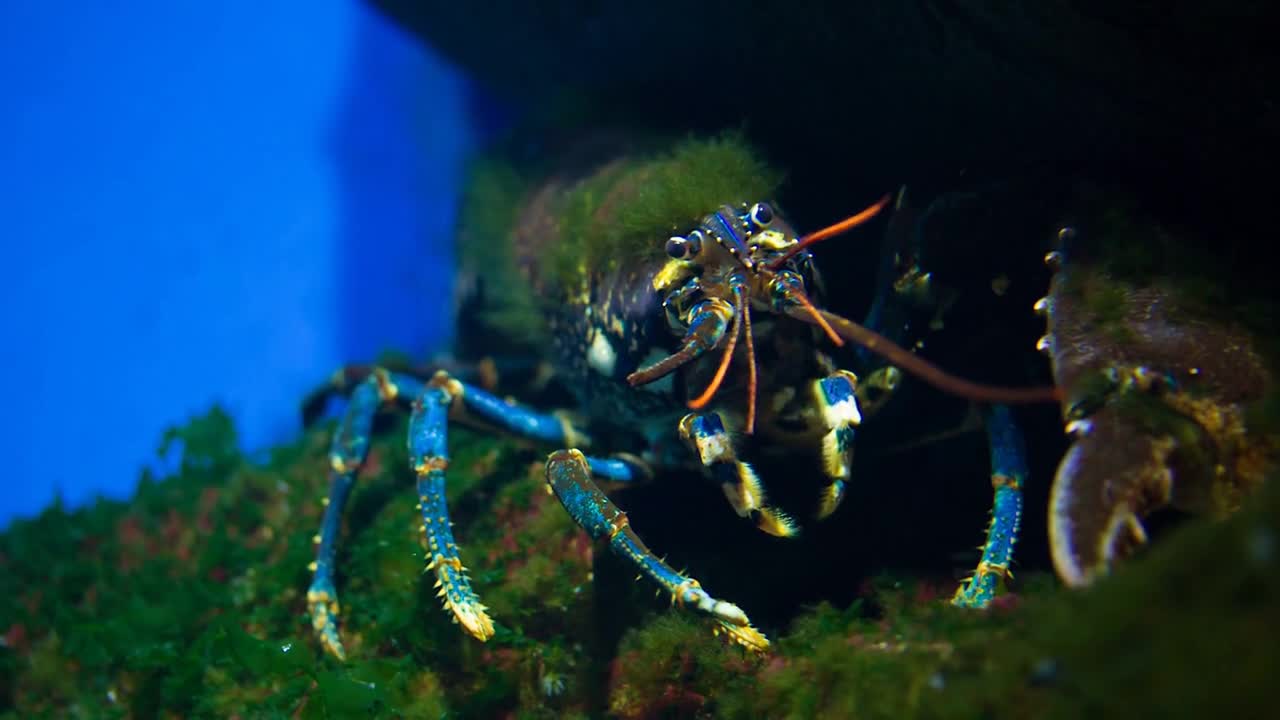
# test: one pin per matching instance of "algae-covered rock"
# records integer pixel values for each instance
(187, 601)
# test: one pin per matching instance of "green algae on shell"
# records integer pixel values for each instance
(613, 214)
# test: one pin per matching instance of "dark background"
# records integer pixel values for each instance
(1166, 108)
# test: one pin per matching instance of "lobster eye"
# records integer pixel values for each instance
(761, 214)
(684, 248)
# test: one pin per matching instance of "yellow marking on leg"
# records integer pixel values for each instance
(744, 635)
(776, 522)
(999, 481)
(572, 436)
(342, 467)
(617, 525)
(387, 390)
(446, 382)
(831, 497)
(324, 611)
(429, 463)
(677, 595)
(833, 463)
(986, 568)
(469, 614)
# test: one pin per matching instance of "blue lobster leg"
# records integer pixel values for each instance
(705, 433)
(428, 455)
(347, 453)
(572, 484)
(837, 401)
(569, 477)
(429, 458)
(1008, 472)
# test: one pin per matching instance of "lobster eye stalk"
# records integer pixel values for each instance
(680, 247)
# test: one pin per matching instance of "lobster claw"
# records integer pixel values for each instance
(1157, 398)
(1109, 479)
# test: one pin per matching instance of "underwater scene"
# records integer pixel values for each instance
(388, 359)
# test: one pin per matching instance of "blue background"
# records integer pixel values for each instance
(207, 202)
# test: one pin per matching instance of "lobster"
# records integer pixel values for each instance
(685, 314)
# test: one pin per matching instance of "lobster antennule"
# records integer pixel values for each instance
(923, 369)
(845, 225)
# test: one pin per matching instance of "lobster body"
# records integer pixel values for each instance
(604, 319)
(635, 277)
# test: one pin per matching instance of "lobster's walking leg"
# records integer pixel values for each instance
(1008, 472)
(837, 401)
(428, 454)
(486, 372)
(345, 381)
(347, 453)
(569, 477)
(429, 458)
(705, 433)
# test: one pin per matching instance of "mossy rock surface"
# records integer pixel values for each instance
(188, 601)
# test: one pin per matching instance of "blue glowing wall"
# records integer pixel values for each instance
(207, 202)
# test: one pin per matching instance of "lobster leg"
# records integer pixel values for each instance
(428, 451)
(428, 432)
(347, 453)
(569, 477)
(1008, 472)
(487, 372)
(705, 433)
(837, 400)
(429, 457)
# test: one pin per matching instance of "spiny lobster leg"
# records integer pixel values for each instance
(837, 400)
(428, 450)
(429, 457)
(569, 477)
(347, 453)
(1008, 472)
(705, 433)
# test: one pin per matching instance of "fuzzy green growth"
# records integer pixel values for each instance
(1107, 301)
(625, 213)
(188, 601)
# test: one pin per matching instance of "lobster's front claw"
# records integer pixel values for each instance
(1158, 395)
(1110, 478)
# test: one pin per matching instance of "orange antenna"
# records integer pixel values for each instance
(751, 365)
(845, 225)
(927, 371)
(816, 316)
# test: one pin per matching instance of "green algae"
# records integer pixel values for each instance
(663, 193)
(620, 212)
(188, 601)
